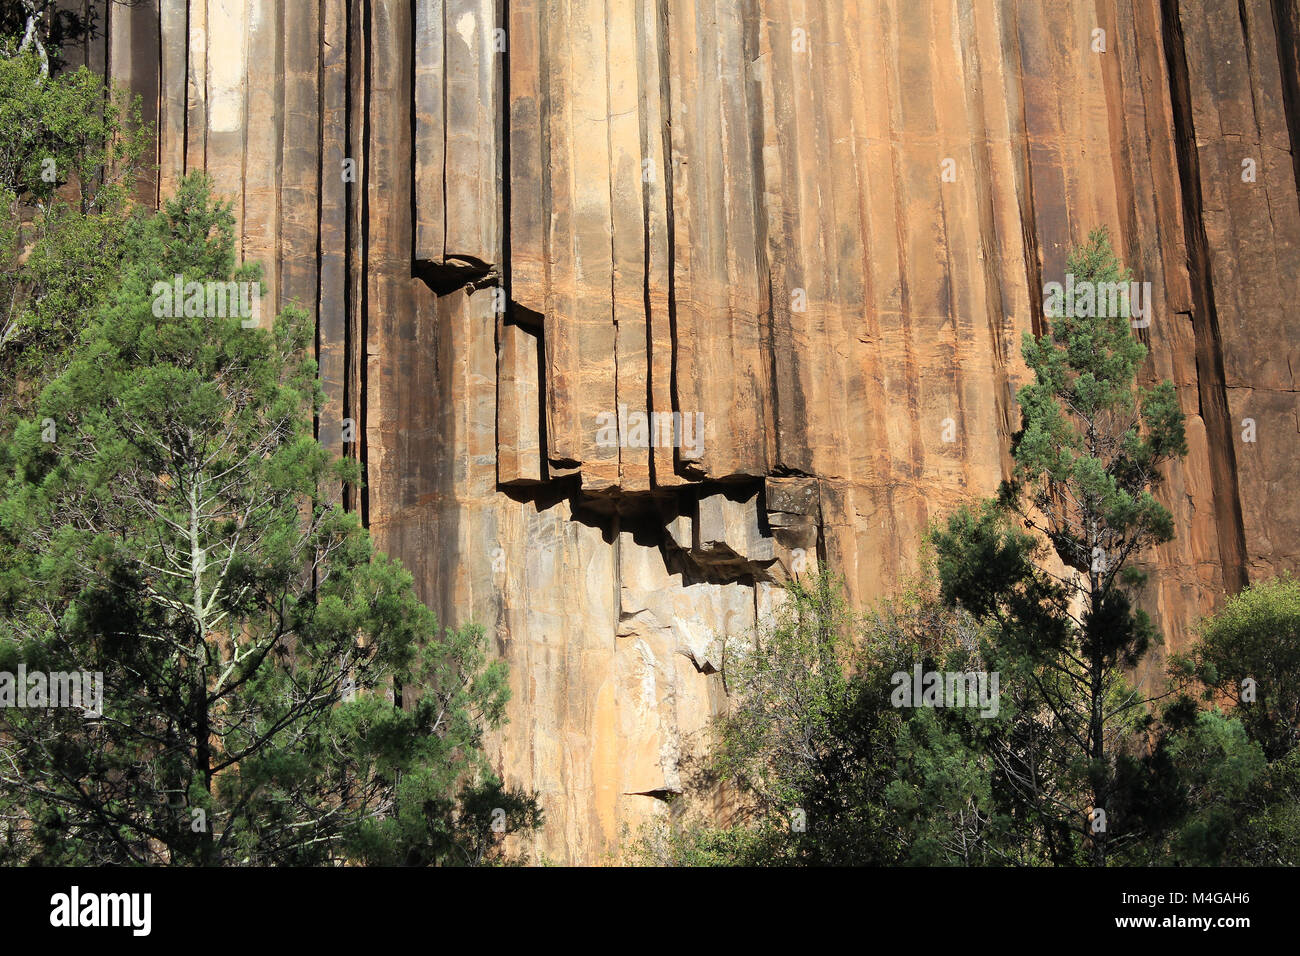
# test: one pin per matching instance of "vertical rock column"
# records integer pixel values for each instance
(459, 51)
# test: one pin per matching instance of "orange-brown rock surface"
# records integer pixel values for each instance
(817, 227)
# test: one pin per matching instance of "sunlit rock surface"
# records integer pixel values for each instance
(820, 225)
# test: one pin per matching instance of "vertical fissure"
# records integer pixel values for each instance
(364, 286)
(1205, 319)
(1286, 31)
(349, 236)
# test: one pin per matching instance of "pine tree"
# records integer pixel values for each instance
(1048, 566)
(70, 147)
(164, 523)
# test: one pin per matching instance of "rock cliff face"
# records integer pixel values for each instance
(811, 230)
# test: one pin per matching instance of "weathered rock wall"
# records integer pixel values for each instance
(819, 225)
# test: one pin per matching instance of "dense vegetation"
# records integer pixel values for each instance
(1080, 762)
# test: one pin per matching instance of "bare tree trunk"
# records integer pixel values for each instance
(32, 36)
